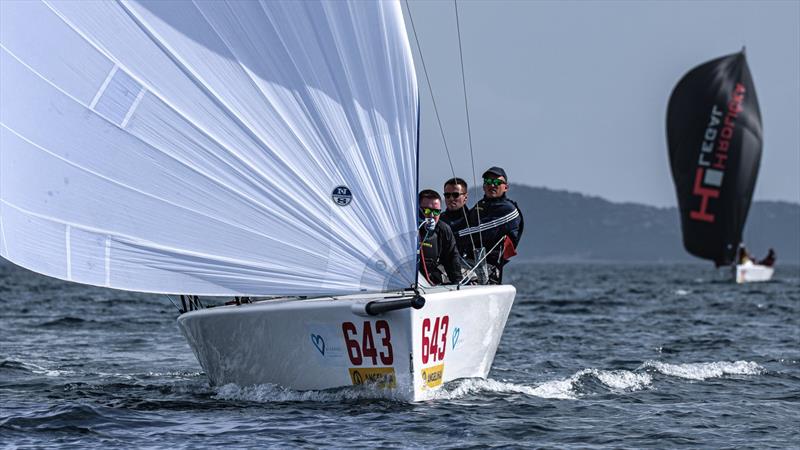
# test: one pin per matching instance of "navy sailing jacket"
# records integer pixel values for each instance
(499, 217)
(458, 221)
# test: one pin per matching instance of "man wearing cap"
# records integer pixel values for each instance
(497, 223)
(437, 242)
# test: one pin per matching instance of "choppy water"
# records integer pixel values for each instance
(592, 356)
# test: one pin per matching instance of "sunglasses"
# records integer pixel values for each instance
(453, 194)
(430, 211)
(493, 181)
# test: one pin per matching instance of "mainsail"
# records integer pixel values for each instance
(209, 148)
(714, 137)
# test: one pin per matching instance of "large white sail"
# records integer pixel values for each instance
(209, 147)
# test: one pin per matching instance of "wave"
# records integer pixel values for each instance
(565, 389)
(582, 383)
(271, 393)
(12, 365)
(22, 366)
(706, 370)
(569, 388)
(67, 321)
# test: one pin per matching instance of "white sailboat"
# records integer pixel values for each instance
(751, 272)
(237, 149)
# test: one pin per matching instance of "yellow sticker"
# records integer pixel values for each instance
(432, 376)
(383, 377)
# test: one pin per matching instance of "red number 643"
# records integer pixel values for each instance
(434, 339)
(366, 348)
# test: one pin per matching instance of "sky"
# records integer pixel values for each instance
(573, 94)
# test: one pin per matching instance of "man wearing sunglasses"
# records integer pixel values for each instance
(496, 222)
(457, 213)
(437, 243)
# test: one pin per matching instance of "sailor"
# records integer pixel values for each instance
(437, 243)
(497, 222)
(744, 256)
(768, 260)
(457, 213)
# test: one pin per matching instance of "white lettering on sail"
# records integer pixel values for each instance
(710, 135)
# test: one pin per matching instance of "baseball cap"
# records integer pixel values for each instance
(496, 171)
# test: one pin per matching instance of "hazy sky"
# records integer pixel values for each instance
(573, 94)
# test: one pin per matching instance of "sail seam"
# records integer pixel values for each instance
(69, 252)
(138, 241)
(123, 185)
(254, 139)
(133, 107)
(216, 101)
(257, 87)
(103, 86)
(107, 260)
(198, 82)
(183, 163)
(286, 122)
(3, 236)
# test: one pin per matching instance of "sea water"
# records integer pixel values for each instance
(592, 356)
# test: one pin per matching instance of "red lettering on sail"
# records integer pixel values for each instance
(705, 194)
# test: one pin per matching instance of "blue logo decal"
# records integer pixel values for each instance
(342, 196)
(319, 343)
(454, 339)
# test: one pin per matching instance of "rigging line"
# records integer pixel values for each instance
(469, 274)
(466, 109)
(180, 311)
(438, 118)
(430, 89)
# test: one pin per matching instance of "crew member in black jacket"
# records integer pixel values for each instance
(457, 214)
(437, 242)
(496, 222)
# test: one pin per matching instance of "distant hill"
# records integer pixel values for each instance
(563, 225)
(567, 226)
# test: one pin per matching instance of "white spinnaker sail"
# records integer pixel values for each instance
(195, 147)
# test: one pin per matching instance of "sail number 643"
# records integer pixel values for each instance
(358, 350)
(434, 338)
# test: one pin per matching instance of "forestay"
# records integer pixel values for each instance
(209, 148)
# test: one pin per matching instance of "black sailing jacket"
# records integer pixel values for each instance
(458, 221)
(439, 247)
(499, 217)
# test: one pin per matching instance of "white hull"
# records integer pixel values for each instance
(749, 272)
(330, 342)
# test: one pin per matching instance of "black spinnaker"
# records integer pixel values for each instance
(715, 138)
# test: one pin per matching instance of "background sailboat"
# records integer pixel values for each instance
(715, 140)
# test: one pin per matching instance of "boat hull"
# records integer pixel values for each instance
(746, 273)
(328, 343)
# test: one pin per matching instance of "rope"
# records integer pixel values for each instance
(469, 127)
(175, 305)
(430, 89)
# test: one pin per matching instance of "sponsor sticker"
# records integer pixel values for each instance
(323, 342)
(383, 377)
(432, 376)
